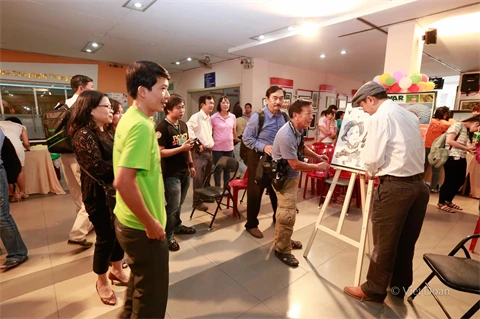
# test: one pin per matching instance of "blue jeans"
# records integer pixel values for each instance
(218, 172)
(9, 233)
(435, 171)
(175, 192)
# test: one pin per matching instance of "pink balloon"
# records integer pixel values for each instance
(414, 88)
(398, 75)
(424, 77)
(395, 88)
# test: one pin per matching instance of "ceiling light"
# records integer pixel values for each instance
(462, 24)
(189, 59)
(309, 28)
(343, 52)
(177, 63)
(291, 28)
(322, 56)
(139, 5)
(92, 47)
(261, 37)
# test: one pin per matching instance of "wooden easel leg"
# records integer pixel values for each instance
(363, 234)
(346, 202)
(322, 212)
(363, 196)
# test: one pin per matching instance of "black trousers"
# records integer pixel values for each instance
(107, 248)
(255, 192)
(147, 291)
(397, 219)
(455, 171)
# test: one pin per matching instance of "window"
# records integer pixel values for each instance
(29, 101)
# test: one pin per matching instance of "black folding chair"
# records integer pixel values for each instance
(217, 193)
(458, 273)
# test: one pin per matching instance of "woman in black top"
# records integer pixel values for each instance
(93, 147)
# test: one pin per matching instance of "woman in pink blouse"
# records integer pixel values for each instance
(224, 133)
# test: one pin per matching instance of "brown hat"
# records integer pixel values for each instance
(368, 89)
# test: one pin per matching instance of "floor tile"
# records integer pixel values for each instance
(187, 262)
(260, 311)
(209, 294)
(36, 304)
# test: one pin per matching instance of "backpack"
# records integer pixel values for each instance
(261, 120)
(12, 164)
(438, 152)
(54, 124)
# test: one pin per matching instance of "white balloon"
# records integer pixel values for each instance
(405, 83)
(377, 79)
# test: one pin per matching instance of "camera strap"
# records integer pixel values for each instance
(301, 146)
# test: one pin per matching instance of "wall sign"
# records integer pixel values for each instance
(209, 80)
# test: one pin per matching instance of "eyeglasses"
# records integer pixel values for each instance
(108, 106)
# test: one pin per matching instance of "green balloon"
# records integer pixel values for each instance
(390, 81)
(416, 77)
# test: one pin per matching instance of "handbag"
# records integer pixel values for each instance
(110, 192)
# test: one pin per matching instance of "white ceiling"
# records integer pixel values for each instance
(173, 30)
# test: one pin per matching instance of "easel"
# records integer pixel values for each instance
(366, 204)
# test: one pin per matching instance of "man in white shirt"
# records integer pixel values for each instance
(200, 127)
(71, 171)
(394, 152)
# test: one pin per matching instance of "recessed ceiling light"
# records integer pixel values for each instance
(177, 63)
(189, 59)
(291, 28)
(261, 37)
(92, 47)
(343, 52)
(322, 56)
(139, 5)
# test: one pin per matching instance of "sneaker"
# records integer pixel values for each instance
(173, 245)
(84, 243)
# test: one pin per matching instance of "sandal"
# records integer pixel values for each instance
(296, 244)
(445, 208)
(184, 230)
(287, 259)
(454, 206)
(173, 245)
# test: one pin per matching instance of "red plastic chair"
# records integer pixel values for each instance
(474, 240)
(235, 186)
(318, 177)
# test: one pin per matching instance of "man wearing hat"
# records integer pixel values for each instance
(394, 152)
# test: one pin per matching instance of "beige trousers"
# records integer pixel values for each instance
(71, 171)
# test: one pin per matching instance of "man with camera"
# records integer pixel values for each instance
(258, 138)
(288, 159)
(200, 129)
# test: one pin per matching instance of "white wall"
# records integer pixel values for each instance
(446, 96)
(254, 82)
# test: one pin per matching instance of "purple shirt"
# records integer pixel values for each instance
(223, 132)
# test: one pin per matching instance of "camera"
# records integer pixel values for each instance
(196, 143)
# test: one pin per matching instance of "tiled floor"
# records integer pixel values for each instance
(225, 273)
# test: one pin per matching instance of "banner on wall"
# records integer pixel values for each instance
(421, 104)
(58, 73)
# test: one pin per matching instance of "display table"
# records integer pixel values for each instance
(473, 168)
(40, 175)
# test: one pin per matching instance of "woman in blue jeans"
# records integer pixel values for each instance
(16, 249)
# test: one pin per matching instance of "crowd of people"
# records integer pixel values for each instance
(129, 179)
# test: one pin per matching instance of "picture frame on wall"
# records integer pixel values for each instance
(468, 105)
(331, 100)
(315, 99)
(288, 96)
(264, 103)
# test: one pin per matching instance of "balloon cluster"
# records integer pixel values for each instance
(400, 82)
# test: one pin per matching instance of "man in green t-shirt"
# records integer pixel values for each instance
(140, 210)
